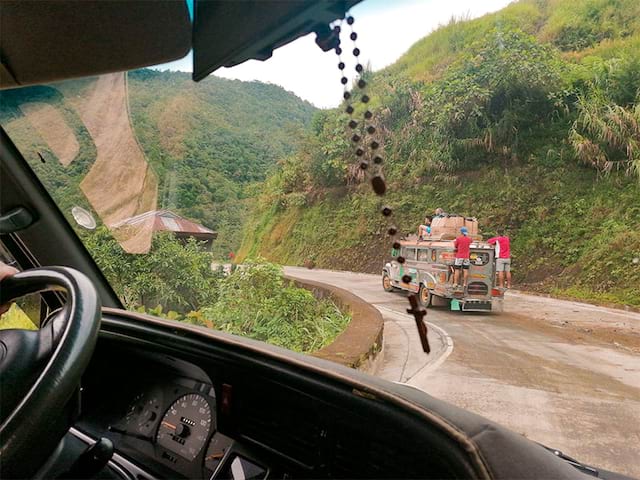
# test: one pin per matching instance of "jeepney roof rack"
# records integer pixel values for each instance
(453, 215)
(442, 237)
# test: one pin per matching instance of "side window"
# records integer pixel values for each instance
(24, 313)
(411, 254)
(434, 255)
(479, 258)
(423, 255)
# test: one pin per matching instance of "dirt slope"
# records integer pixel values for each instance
(53, 129)
(120, 183)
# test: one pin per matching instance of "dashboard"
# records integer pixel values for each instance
(162, 413)
(178, 406)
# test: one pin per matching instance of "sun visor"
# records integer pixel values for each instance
(46, 41)
(229, 32)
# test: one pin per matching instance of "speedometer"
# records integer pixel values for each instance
(185, 427)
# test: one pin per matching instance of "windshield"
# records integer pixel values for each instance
(490, 169)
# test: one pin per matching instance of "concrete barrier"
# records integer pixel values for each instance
(359, 346)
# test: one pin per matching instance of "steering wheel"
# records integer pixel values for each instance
(41, 369)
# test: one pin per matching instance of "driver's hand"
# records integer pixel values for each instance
(6, 271)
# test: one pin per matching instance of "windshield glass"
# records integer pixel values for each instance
(487, 167)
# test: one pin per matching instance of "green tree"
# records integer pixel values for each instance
(174, 274)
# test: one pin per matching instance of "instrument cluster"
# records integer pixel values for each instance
(173, 426)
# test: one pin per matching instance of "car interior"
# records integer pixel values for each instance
(102, 392)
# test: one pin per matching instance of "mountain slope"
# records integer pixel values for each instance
(210, 141)
(526, 118)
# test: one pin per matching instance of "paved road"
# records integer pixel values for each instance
(562, 373)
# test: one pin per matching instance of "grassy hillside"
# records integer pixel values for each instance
(526, 118)
(208, 143)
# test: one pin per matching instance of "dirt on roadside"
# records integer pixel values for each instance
(573, 322)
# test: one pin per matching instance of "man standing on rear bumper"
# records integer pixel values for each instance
(503, 261)
(462, 247)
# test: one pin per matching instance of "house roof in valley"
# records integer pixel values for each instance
(165, 221)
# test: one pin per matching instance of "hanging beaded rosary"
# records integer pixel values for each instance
(366, 147)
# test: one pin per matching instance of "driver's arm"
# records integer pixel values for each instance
(6, 271)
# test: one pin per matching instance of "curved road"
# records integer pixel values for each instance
(561, 373)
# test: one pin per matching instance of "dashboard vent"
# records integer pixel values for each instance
(374, 453)
(289, 425)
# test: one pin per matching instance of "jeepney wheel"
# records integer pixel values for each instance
(386, 283)
(424, 296)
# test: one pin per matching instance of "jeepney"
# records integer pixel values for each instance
(429, 264)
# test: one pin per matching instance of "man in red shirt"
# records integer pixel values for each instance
(503, 257)
(462, 246)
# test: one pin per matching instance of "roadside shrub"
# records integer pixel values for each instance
(607, 136)
(256, 301)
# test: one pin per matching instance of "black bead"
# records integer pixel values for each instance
(374, 145)
(392, 231)
(365, 98)
(359, 68)
(371, 129)
(359, 152)
(341, 65)
(350, 20)
(368, 114)
(346, 95)
(355, 138)
(400, 260)
(344, 80)
(353, 36)
(386, 211)
(353, 124)
(337, 29)
(378, 185)
(407, 278)
(377, 160)
(356, 52)
(349, 109)
(338, 51)
(362, 84)
(364, 165)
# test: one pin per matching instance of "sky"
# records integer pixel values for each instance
(386, 29)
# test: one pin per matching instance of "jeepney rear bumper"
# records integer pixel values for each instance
(476, 305)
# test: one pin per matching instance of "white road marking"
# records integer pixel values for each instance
(430, 364)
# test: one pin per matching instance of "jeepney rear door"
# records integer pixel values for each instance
(481, 273)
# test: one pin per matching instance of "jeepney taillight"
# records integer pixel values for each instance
(495, 292)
